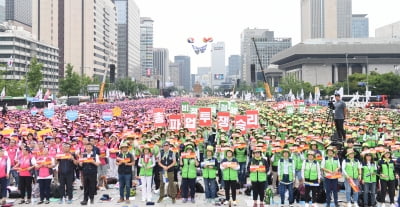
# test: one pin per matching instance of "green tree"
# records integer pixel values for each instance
(126, 85)
(289, 82)
(70, 84)
(84, 82)
(34, 76)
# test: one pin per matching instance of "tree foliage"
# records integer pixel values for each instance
(129, 87)
(34, 76)
(70, 85)
(289, 82)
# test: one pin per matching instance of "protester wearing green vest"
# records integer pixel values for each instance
(275, 161)
(331, 166)
(241, 156)
(286, 175)
(188, 163)
(146, 164)
(210, 166)
(369, 172)
(311, 174)
(351, 169)
(230, 167)
(386, 171)
(258, 168)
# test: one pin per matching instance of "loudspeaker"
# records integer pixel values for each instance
(253, 73)
(237, 83)
(112, 73)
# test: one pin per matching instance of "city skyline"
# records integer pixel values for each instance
(208, 21)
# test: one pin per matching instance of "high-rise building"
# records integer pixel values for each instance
(146, 46)
(128, 23)
(203, 70)
(19, 13)
(21, 46)
(267, 46)
(360, 26)
(325, 19)
(184, 71)
(174, 77)
(2, 11)
(234, 65)
(161, 65)
(218, 68)
(389, 31)
(84, 31)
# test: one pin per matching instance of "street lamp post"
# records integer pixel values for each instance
(347, 76)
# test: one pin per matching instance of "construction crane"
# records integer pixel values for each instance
(266, 85)
(100, 99)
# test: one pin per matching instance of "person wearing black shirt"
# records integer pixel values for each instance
(66, 168)
(90, 161)
(124, 162)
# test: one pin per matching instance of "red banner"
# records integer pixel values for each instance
(159, 117)
(252, 119)
(223, 120)
(205, 117)
(241, 123)
(190, 122)
(174, 122)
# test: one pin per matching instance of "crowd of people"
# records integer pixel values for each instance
(287, 152)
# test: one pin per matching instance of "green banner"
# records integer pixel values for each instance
(289, 109)
(185, 107)
(194, 109)
(234, 109)
(213, 109)
(223, 106)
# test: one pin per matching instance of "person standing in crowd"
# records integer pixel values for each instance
(189, 173)
(25, 166)
(386, 171)
(258, 168)
(12, 152)
(339, 116)
(167, 161)
(311, 174)
(286, 174)
(275, 161)
(124, 161)
(331, 166)
(44, 166)
(369, 175)
(146, 164)
(351, 169)
(113, 149)
(229, 168)
(89, 170)
(66, 168)
(5, 166)
(241, 156)
(210, 166)
(103, 167)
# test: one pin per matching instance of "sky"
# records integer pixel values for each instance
(224, 20)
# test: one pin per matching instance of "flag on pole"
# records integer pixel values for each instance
(47, 94)
(302, 94)
(3, 92)
(317, 94)
(10, 61)
(310, 98)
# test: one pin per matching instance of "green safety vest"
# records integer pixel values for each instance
(351, 168)
(210, 173)
(311, 170)
(258, 176)
(229, 174)
(189, 168)
(143, 170)
(369, 173)
(388, 170)
(297, 161)
(331, 163)
(277, 157)
(240, 155)
(290, 169)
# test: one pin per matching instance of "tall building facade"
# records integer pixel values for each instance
(2, 11)
(128, 23)
(174, 78)
(146, 46)
(184, 71)
(326, 19)
(360, 26)
(21, 46)
(84, 31)
(19, 13)
(267, 46)
(389, 31)
(218, 68)
(161, 65)
(234, 65)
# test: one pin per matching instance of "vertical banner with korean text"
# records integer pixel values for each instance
(252, 119)
(174, 122)
(159, 117)
(190, 122)
(241, 123)
(205, 117)
(223, 120)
